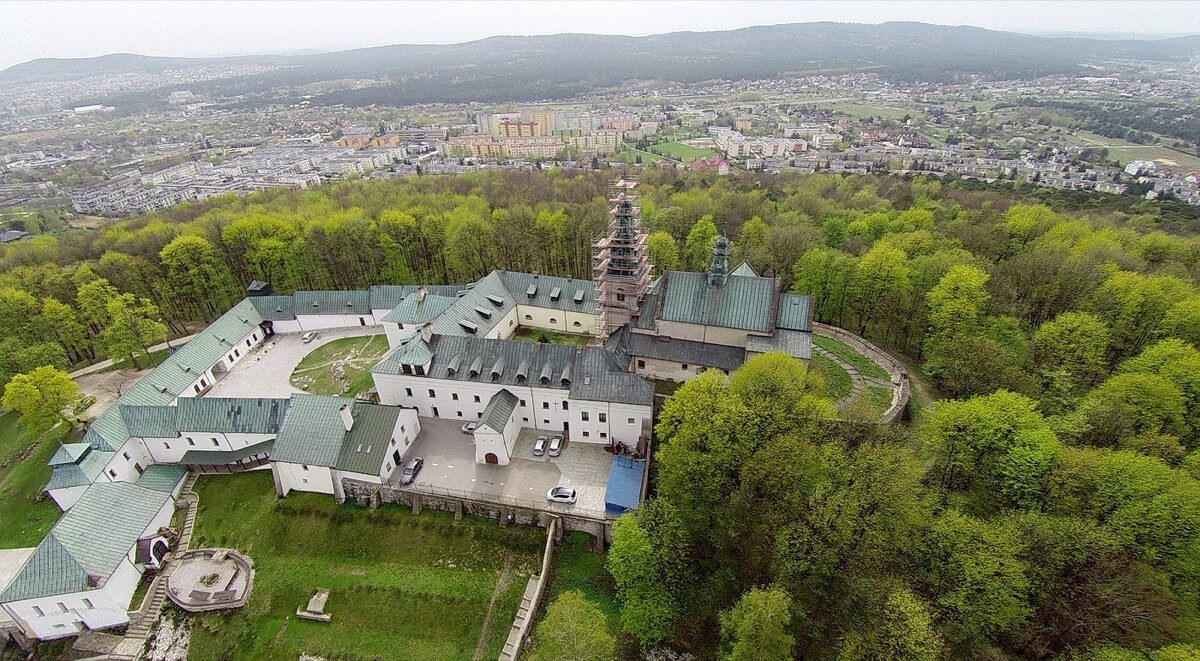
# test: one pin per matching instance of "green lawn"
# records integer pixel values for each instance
(682, 152)
(156, 358)
(355, 355)
(403, 586)
(24, 519)
(837, 380)
(535, 335)
(1125, 151)
(577, 567)
(864, 365)
(871, 404)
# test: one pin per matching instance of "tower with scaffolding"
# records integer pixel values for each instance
(621, 265)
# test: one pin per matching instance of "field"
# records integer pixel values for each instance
(864, 365)
(355, 356)
(682, 152)
(403, 586)
(1124, 151)
(868, 110)
(24, 519)
(534, 335)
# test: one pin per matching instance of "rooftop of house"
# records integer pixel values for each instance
(366, 445)
(312, 432)
(743, 303)
(498, 410)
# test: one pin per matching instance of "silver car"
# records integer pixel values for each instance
(539, 446)
(309, 337)
(411, 469)
(468, 427)
(561, 495)
(556, 443)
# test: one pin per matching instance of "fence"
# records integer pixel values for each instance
(500, 499)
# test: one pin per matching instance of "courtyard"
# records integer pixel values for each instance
(267, 371)
(450, 469)
(402, 586)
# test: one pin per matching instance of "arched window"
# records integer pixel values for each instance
(528, 317)
(553, 320)
(577, 325)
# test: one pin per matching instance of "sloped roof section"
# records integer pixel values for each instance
(50, 570)
(150, 421)
(274, 308)
(519, 284)
(69, 453)
(498, 410)
(795, 312)
(742, 303)
(387, 297)
(225, 457)
(331, 302)
(597, 378)
(312, 432)
(464, 308)
(161, 477)
(85, 470)
(745, 270)
(412, 310)
(368, 442)
(797, 344)
(231, 415)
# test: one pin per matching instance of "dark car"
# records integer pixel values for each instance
(411, 469)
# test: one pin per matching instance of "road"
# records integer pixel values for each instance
(92, 369)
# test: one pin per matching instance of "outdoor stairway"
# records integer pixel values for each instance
(523, 614)
(856, 380)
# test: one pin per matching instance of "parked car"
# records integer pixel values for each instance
(561, 495)
(468, 427)
(539, 446)
(411, 469)
(309, 337)
(556, 442)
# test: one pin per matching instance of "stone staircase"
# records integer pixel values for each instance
(520, 626)
(856, 380)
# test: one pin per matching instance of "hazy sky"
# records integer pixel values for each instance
(31, 30)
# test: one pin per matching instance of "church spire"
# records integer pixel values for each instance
(718, 270)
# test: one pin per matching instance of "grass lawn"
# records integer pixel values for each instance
(535, 335)
(868, 110)
(682, 152)
(864, 365)
(1125, 151)
(871, 404)
(403, 586)
(577, 567)
(24, 519)
(156, 358)
(837, 380)
(355, 355)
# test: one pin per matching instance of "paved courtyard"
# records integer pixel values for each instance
(267, 371)
(450, 465)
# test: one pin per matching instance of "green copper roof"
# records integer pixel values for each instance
(83, 472)
(274, 308)
(368, 442)
(412, 310)
(150, 421)
(69, 453)
(331, 302)
(412, 350)
(92, 538)
(231, 415)
(313, 431)
(161, 477)
(742, 303)
(795, 312)
(498, 410)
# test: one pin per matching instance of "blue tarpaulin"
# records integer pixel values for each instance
(624, 484)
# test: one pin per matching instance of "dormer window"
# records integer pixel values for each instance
(468, 326)
(532, 291)
(496, 300)
(555, 293)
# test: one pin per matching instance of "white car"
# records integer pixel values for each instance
(539, 446)
(561, 495)
(309, 337)
(556, 442)
(468, 427)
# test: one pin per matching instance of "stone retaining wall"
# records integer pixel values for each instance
(900, 390)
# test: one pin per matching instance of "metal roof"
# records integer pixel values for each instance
(354, 302)
(387, 297)
(367, 443)
(488, 287)
(744, 269)
(69, 453)
(498, 410)
(797, 344)
(743, 303)
(150, 421)
(688, 352)
(84, 471)
(312, 432)
(161, 477)
(411, 310)
(92, 538)
(598, 378)
(795, 312)
(550, 291)
(274, 308)
(231, 415)
(224, 457)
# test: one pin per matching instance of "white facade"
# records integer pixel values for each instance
(308, 322)
(171, 450)
(302, 477)
(498, 443)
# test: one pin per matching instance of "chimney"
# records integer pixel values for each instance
(422, 292)
(347, 417)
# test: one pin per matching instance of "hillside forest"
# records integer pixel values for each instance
(1047, 505)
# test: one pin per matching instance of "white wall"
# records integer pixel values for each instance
(123, 466)
(320, 321)
(608, 422)
(563, 321)
(656, 368)
(498, 442)
(285, 326)
(296, 477)
(201, 384)
(397, 333)
(171, 450)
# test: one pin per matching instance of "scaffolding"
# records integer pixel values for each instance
(620, 264)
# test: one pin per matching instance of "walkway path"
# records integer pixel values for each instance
(104, 364)
(856, 379)
(501, 586)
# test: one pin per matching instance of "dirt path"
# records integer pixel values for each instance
(501, 585)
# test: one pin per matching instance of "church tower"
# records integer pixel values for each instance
(621, 263)
(718, 269)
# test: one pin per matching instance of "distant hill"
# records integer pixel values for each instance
(557, 66)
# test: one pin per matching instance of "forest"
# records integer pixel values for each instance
(1046, 506)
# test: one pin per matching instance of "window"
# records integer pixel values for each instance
(641, 364)
(435, 411)
(603, 417)
(458, 414)
(553, 320)
(197, 389)
(545, 422)
(393, 440)
(402, 429)
(584, 416)
(476, 399)
(528, 317)
(684, 365)
(564, 405)
(585, 433)
(387, 467)
(454, 396)
(139, 469)
(39, 611)
(577, 325)
(405, 369)
(420, 370)
(247, 342)
(237, 353)
(620, 297)
(126, 455)
(522, 403)
(303, 467)
(87, 603)
(112, 473)
(630, 421)
(524, 419)
(603, 435)
(216, 444)
(191, 443)
(546, 405)
(408, 392)
(432, 394)
(166, 446)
